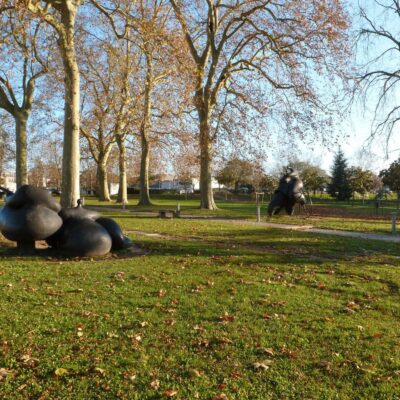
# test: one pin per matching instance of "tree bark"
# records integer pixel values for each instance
(21, 120)
(70, 190)
(206, 193)
(102, 180)
(123, 187)
(144, 197)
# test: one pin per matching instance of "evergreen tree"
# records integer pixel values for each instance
(339, 187)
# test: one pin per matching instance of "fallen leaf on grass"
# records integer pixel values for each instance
(130, 376)
(266, 350)
(225, 318)
(224, 340)
(100, 371)
(325, 365)
(220, 396)
(28, 361)
(195, 373)
(155, 384)
(289, 353)
(4, 372)
(162, 293)
(61, 372)
(262, 365)
(367, 370)
(170, 393)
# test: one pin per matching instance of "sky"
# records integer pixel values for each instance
(355, 130)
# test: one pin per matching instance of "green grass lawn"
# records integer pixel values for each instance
(213, 311)
(247, 210)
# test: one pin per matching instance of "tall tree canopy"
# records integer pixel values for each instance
(243, 49)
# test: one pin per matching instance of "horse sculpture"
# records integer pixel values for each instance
(288, 194)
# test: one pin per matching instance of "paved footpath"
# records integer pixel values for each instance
(311, 229)
(301, 228)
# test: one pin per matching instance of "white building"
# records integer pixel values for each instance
(9, 181)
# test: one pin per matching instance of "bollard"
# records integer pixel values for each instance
(178, 207)
(258, 213)
(394, 218)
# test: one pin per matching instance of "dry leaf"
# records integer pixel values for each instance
(170, 393)
(28, 361)
(100, 371)
(225, 318)
(266, 350)
(155, 384)
(4, 372)
(220, 396)
(61, 372)
(195, 373)
(262, 365)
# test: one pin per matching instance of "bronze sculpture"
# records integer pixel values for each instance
(288, 194)
(32, 214)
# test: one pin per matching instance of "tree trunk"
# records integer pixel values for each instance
(123, 187)
(102, 181)
(206, 192)
(71, 158)
(21, 120)
(144, 197)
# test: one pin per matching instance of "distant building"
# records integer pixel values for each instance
(8, 181)
(189, 186)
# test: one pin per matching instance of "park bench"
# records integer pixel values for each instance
(169, 213)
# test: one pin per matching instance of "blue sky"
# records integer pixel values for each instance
(355, 130)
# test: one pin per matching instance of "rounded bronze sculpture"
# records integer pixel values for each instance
(288, 194)
(31, 214)
(28, 215)
(85, 233)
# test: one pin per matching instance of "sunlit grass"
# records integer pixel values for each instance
(213, 308)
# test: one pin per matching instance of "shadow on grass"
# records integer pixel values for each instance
(279, 245)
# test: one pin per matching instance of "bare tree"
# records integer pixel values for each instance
(276, 43)
(380, 76)
(105, 109)
(19, 62)
(146, 25)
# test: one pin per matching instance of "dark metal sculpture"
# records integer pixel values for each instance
(32, 214)
(28, 215)
(288, 194)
